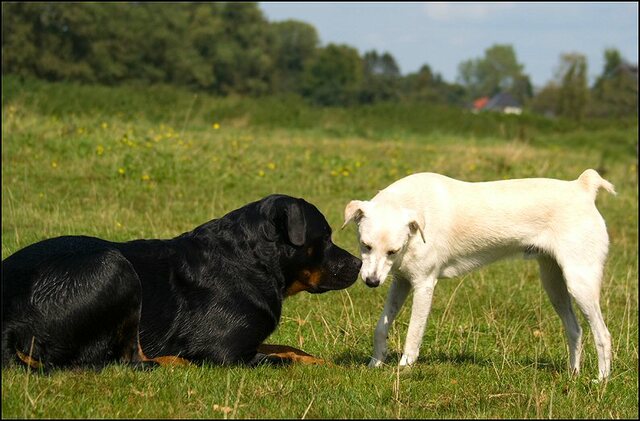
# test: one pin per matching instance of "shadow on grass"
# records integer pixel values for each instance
(541, 363)
(351, 358)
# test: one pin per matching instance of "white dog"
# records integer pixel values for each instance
(427, 226)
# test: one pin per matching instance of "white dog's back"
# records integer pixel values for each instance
(414, 188)
(535, 212)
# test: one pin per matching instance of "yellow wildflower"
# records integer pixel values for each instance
(121, 171)
(145, 177)
(215, 126)
(99, 149)
(104, 125)
(261, 173)
(54, 164)
(271, 166)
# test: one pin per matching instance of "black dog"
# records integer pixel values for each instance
(213, 294)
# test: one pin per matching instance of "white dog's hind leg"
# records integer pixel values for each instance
(583, 283)
(422, 297)
(398, 292)
(554, 284)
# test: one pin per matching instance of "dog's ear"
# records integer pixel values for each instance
(287, 220)
(353, 212)
(295, 223)
(416, 223)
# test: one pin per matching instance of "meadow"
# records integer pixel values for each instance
(153, 162)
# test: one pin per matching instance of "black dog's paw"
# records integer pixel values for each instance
(272, 360)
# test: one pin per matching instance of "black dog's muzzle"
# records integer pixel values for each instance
(342, 272)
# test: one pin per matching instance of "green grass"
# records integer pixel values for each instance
(125, 163)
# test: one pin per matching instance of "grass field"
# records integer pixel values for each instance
(125, 163)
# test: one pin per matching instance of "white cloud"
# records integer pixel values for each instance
(459, 11)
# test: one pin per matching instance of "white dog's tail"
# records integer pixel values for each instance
(591, 181)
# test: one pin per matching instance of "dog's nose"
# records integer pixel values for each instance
(372, 282)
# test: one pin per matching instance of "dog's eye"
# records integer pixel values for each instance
(366, 246)
(392, 252)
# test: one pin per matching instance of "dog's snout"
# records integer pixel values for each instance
(372, 282)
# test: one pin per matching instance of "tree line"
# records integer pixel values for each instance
(230, 48)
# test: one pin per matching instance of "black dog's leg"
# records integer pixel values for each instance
(260, 358)
(283, 355)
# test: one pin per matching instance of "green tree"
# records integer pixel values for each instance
(53, 37)
(573, 95)
(294, 45)
(191, 62)
(421, 85)
(137, 50)
(381, 75)
(497, 71)
(19, 44)
(243, 62)
(426, 86)
(222, 47)
(546, 101)
(612, 61)
(334, 76)
(615, 92)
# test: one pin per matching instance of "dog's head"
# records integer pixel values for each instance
(384, 233)
(310, 260)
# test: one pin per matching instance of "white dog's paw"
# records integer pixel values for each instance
(375, 363)
(406, 361)
(600, 380)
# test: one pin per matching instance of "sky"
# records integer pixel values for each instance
(443, 34)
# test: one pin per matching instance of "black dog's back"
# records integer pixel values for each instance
(63, 299)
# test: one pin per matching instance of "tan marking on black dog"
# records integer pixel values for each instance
(28, 360)
(172, 360)
(286, 352)
(306, 280)
(141, 354)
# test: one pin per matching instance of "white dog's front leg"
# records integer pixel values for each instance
(422, 296)
(398, 292)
